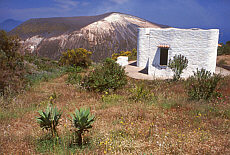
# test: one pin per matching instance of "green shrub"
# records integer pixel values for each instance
(108, 76)
(140, 93)
(42, 64)
(74, 78)
(202, 85)
(109, 100)
(49, 119)
(76, 57)
(35, 78)
(73, 74)
(178, 64)
(82, 121)
(224, 49)
(73, 69)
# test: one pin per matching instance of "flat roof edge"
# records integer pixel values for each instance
(194, 29)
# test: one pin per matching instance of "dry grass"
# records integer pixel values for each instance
(225, 59)
(167, 124)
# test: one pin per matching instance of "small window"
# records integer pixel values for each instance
(163, 56)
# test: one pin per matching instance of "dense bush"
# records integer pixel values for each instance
(41, 69)
(178, 64)
(73, 74)
(202, 85)
(108, 76)
(42, 63)
(224, 48)
(74, 78)
(76, 57)
(73, 69)
(132, 55)
(11, 64)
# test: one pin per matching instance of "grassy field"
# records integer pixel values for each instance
(163, 121)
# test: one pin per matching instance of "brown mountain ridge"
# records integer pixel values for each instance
(102, 34)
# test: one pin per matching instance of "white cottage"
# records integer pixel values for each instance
(156, 46)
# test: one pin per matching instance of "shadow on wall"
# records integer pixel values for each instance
(145, 70)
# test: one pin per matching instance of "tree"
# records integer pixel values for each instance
(11, 63)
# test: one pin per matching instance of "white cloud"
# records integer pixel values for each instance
(106, 6)
(66, 4)
(84, 3)
(119, 1)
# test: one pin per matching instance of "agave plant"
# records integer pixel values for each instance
(82, 120)
(49, 119)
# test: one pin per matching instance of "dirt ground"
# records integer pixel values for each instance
(19, 129)
(226, 58)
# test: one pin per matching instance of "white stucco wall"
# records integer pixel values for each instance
(197, 45)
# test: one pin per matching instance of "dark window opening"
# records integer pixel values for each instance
(163, 56)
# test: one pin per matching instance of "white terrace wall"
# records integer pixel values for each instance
(197, 45)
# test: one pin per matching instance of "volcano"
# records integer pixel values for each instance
(102, 34)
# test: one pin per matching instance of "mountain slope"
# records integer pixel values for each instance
(49, 27)
(9, 24)
(103, 34)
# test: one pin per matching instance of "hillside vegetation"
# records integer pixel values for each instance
(224, 49)
(116, 114)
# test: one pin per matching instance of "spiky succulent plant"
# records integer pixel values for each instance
(49, 119)
(82, 121)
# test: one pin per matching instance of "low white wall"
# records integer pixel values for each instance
(198, 46)
(122, 60)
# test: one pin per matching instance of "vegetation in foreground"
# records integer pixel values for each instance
(141, 117)
(138, 117)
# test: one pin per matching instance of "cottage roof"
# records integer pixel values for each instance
(163, 46)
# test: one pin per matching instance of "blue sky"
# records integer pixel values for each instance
(175, 13)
